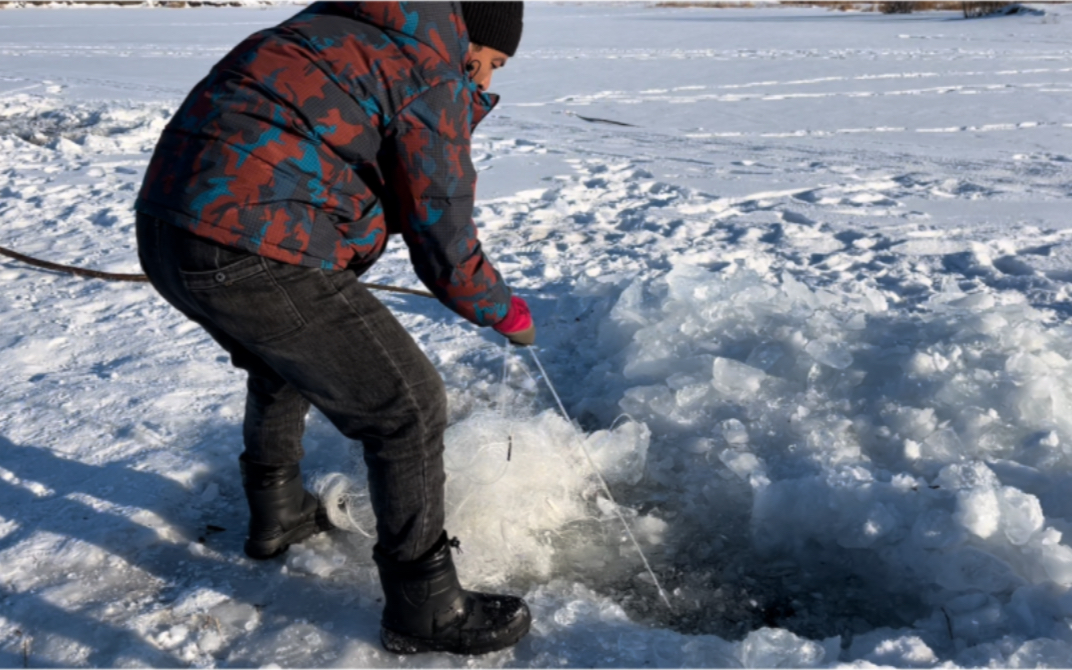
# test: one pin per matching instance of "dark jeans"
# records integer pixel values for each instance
(305, 336)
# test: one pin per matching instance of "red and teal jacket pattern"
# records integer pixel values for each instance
(311, 141)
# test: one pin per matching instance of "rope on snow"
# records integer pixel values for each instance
(111, 276)
(81, 272)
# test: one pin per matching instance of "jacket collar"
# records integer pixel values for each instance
(483, 103)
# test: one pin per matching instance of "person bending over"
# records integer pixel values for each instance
(274, 187)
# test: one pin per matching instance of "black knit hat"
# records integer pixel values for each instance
(494, 24)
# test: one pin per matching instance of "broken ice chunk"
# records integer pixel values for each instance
(734, 378)
(650, 529)
(857, 321)
(1056, 557)
(935, 529)
(879, 522)
(798, 292)
(1021, 514)
(765, 355)
(975, 302)
(699, 445)
(644, 400)
(891, 648)
(241, 616)
(943, 446)
(620, 454)
(691, 397)
(742, 464)
(734, 432)
(978, 510)
(924, 364)
(680, 380)
(912, 422)
(971, 475)
(1026, 365)
(877, 301)
(1041, 653)
(779, 648)
(831, 353)
(305, 560)
(211, 492)
(970, 568)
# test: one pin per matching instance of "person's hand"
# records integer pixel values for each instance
(517, 326)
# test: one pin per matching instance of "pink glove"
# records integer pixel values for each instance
(517, 326)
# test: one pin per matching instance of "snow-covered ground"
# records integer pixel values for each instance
(809, 312)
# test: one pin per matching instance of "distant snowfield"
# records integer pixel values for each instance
(809, 311)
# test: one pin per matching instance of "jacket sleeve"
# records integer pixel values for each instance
(432, 181)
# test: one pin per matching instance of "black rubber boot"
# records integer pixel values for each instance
(428, 610)
(281, 511)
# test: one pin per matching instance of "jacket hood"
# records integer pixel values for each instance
(424, 31)
(430, 34)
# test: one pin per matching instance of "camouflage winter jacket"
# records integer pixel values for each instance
(311, 141)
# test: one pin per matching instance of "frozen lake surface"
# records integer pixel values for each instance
(802, 280)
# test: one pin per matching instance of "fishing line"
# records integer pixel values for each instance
(502, 403)
(502, 384)
(602, 482)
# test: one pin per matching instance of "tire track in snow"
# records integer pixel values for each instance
(56, 84)
(633, 97)
(789, 55)
(987, 128)
(733, 153)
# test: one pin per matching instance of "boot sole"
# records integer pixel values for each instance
(262, 550)
(397, 643)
